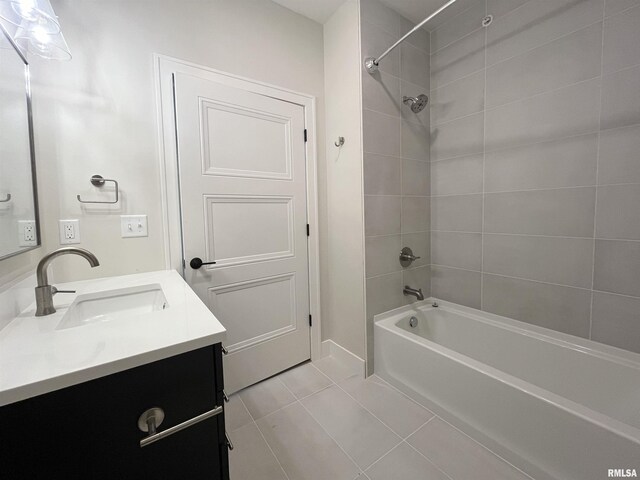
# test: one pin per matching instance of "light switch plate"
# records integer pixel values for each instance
(69, 231)
(27, 233)
(133, 226)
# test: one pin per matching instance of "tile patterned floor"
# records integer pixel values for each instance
(321, 421)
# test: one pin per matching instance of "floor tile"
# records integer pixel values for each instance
(303, 448)
(251, 457)
(359, 433)
(460, 456)
(335, 369)
(404, 463)
(398, 412)
(304, 380)
(236, 414)
(266, 397)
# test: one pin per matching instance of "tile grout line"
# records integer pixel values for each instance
(618, 13)
(549, 42)
(536, 235)
(522, 145)
(398, 34)
(485, 448)
(428, 460)
(433, 416)
(295, 399)
(264, 439)
(529, 49)
(595, 204)
(484, 162)
(383, 456)
(360, 470)
(601, 75)
(518, 100)
(500, 192)
(448, 22)
(533, 144)
(402, 439)
(586, 289)
(451, 267)
(430, 117)
(466, 35)
(371, 413)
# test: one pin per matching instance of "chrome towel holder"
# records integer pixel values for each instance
(340, 142)
(6, 199)
(99, 181)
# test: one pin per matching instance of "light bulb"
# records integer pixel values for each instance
(26, 9)
(40, 36)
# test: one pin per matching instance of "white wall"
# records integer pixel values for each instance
(344, 322)
(97, 113)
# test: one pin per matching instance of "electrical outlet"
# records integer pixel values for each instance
(69, 232)
(27, 233)
(133, 226)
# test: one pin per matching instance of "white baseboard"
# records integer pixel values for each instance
(329, 347)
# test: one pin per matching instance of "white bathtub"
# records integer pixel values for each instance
(554, 405)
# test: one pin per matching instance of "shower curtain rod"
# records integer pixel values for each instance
(371, 63)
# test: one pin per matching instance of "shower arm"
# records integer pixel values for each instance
(371, 63)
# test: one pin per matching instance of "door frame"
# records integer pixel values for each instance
(164, 68)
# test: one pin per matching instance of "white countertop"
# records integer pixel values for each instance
(37, 358)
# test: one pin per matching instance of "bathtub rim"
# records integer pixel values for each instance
(387, 321)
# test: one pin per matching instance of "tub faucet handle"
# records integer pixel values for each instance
(407, 257)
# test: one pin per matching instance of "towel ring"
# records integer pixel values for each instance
(99, 181)
(339, 142)
(6, 199)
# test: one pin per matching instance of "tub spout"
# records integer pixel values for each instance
(412, 291)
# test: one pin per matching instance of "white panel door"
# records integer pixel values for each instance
(243, 193)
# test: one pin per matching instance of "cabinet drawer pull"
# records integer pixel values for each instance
(151, 419)
(224, 396)
(224, 350)
(229, 444)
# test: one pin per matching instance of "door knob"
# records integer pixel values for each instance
(197, 262)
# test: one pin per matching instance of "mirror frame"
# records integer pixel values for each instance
(32, 150)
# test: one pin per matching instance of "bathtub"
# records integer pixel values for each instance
(555, 406)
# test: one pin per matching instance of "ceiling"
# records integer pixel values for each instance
(414, 10)
(318, 10)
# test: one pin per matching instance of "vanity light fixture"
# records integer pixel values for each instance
(37, 13)
(38, 42)
(37, 29)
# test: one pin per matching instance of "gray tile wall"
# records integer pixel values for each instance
(396, 163)
(535, 164)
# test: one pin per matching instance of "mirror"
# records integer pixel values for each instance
(19, 226)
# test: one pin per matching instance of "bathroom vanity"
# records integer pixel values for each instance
(135, 391)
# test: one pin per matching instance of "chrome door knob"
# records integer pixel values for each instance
(196, 263)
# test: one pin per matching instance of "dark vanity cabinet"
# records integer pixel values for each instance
(90, 430)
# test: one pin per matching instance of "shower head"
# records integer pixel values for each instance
(417, 104)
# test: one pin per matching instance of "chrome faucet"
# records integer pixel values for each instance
(412, 291)
(44, 291)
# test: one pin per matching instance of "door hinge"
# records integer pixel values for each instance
(310, 320)
(308, 230)
(305, 134)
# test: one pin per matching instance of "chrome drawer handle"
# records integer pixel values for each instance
(151, 419)
(224, 350)
(229, 444)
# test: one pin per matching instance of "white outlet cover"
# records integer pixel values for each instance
(27, 236)
(69, 231)
(133, 226)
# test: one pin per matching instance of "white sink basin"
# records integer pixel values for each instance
(113, 304)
